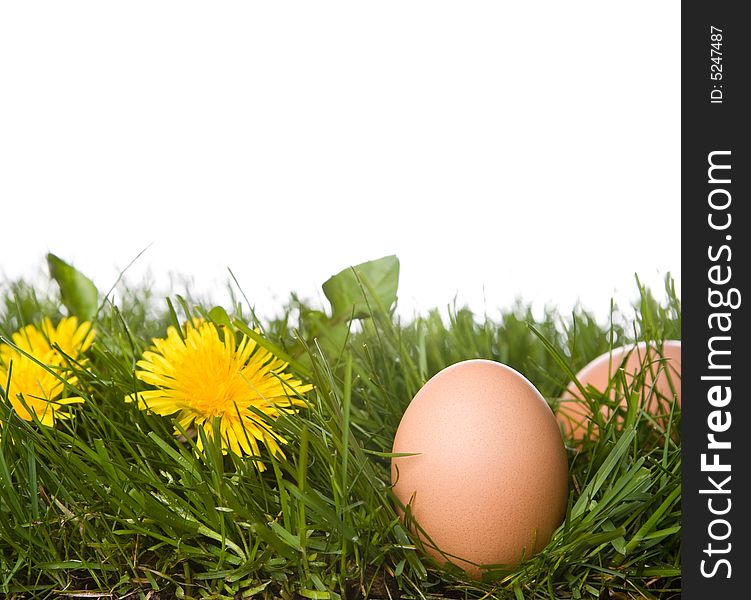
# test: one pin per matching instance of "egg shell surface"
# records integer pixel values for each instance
(574, 414)
(489, 481)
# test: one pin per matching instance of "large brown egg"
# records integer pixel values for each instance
(488, 483)
(574, 414)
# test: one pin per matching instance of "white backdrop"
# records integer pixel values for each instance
(528, 149)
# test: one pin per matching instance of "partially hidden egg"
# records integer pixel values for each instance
(487, 480)
(660, 366)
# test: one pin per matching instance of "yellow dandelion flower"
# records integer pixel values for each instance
(208, 375)
(33, 388)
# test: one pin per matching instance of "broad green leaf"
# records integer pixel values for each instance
(78, 292)
(220, 317)
(330, 333)
(358, 291)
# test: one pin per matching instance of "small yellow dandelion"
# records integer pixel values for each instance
(33, 388)
(204, 374)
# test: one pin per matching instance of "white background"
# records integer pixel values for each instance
(527, 149)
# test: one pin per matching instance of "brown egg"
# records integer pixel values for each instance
(574, 413)
(489, 483)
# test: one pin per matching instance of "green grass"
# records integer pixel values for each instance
(111, 502)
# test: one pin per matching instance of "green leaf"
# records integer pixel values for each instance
(78, 292)
(314, 594)
(74, 564)
(358, 291)
(220, 317)
(292, 541)
(331, 333)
